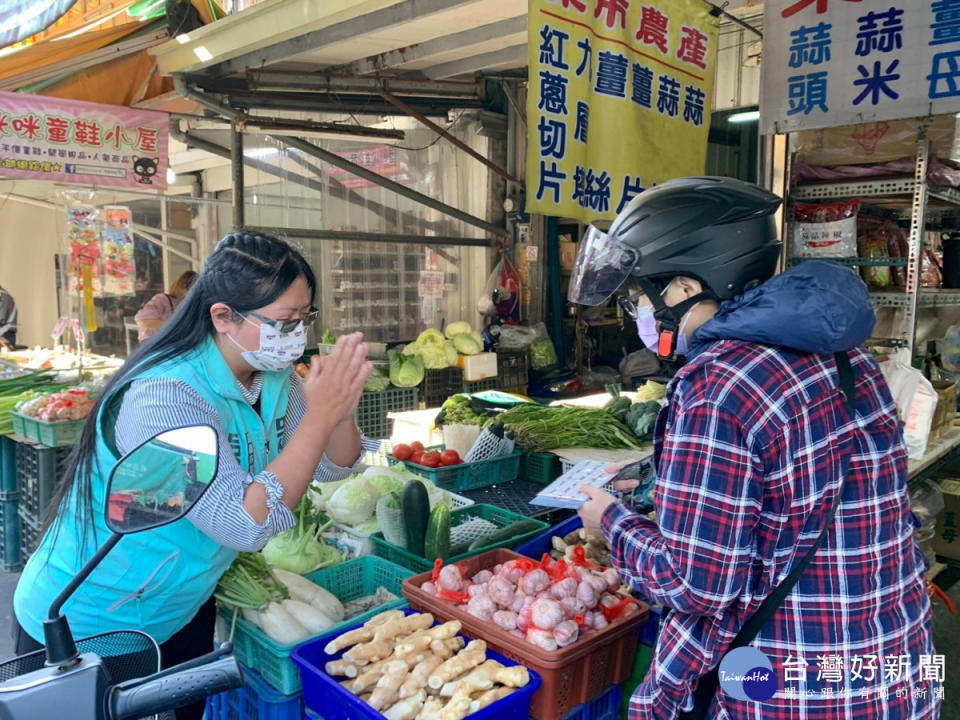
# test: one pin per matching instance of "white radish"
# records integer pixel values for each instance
(307, 615)
(309, 592)
(281, 626)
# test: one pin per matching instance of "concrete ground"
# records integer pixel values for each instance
(946, 633)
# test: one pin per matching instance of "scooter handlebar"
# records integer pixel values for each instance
(175, 690)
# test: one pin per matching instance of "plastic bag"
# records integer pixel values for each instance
(881, 239)
(828, 230)
(926, 502)
(516, 337)
(502, 293)
(915, 398)
(542, 352)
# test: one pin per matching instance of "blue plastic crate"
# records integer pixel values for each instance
(10, 558)
(605, 707)
(323, 694)
(8, 465)
(536, 547)
(256, 699)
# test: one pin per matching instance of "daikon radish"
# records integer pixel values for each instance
(310, 593)
(341, 667)
(312, 619)
(490, 697)
(406, 709)
(281, 626)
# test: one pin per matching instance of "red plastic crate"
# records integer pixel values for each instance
(572, 675)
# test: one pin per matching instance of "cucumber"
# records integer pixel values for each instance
(504, 535)
(437, 542)
(415, 505)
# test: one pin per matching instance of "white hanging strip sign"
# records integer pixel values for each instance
(59, 328)
(78, 331)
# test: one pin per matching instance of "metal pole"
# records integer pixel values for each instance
(917, 225)
(355, 236)
(236, 165)
(333, 159)
(397, 102)
(208, 102)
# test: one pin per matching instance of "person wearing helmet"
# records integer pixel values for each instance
(780, 464)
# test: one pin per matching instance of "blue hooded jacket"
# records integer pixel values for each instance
(817, 307)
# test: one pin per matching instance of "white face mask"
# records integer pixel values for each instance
(277, 350)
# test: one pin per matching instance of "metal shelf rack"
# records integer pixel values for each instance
(913, 198)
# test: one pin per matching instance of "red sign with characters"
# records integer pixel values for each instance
(45, 138)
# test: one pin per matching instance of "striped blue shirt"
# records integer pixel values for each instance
(154, 405)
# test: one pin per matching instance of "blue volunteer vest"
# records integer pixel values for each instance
(153, 581)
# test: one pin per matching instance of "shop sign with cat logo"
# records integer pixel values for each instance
(46, 138)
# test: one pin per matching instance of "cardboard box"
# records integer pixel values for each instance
(877, 142)
(946, 542)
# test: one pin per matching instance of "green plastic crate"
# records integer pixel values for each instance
(541, 467)
(468, 476)
(347, 581)
(371, 415)
(491, 513)
(51, 434)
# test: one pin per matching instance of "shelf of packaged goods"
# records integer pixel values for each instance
(936, 451)
(928, 298)
(856, 261)
(884, 188)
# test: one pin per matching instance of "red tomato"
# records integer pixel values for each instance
(417, 457)
(431, 459)
(449, 457)
(402, 452)
(416, 446)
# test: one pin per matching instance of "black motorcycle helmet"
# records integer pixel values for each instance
(717, 230)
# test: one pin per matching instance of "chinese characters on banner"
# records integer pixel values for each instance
(384, 161)
(117, 246)
(619, 100)
(832, 675)
(843, 62)
(46, 138)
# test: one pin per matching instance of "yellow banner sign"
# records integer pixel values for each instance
(619, 100)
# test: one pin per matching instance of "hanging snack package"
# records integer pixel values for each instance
(880, 240)
(828, 230)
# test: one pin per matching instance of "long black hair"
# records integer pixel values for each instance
(246, 272)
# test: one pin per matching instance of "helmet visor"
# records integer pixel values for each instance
(603, 264)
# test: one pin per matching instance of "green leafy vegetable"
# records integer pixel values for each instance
(430, 337)
(457, 328)
(405, 371)
(467, 345)
(328, 338)
(353, 502)
(377, 381)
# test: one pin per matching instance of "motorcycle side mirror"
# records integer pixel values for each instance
(160, 481)
(154, 484)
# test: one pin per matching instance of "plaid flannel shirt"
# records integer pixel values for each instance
(748, 456)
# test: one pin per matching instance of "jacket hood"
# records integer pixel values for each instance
(817, 307)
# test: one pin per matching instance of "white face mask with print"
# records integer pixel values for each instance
(277, 350)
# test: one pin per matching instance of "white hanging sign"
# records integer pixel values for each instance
(843, 62)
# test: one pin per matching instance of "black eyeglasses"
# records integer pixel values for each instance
(629, 305)
(285, 326)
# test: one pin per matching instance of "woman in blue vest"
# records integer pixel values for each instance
(223, 359)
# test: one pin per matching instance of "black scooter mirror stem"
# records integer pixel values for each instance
(58, 639)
